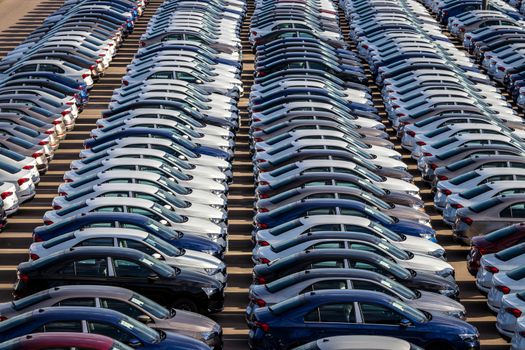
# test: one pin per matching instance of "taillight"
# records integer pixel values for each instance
(64, 113)
(37, 238)
(491, 269)
(411, 133)
(263, 183)
(263, 210)
(264, 243)
(467, 220)
(263, 196)
(68, 180)
(442, 177)
(421, 143)
(125, 82)
(456, 206)
(446, 192)
(22, 181)
(433, 166)
(263, 326)
(62, 194)
(260, 302)
(28, 167)
(427, 154)
(264, 260)
(3, 318)
(43, 143)
(6, 194)
(50, 131)
(23, 277)
(482, 251)
(257, 139)
(85, 75)
(503, 289)
(57, 207)
(262, 225)
(48, 222)
(57, 121)
(33, 256)
(261, 280)
(501, 69)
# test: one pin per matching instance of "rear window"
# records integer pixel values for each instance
(9, 168)
(70, 209)
(12, 155)
(474, 192)
(58, 239)
(20, 142)
(285, 227)
(30, 300)
(479, 207)
(460, 164)
(287, 305)
(495, 236)
(516, 274)
(458, 180)
(511, 253)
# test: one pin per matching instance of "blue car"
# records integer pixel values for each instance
(99, 321)
(158, 133)
(311, 207)
(328, 313)
(80, 85)
(129, 220)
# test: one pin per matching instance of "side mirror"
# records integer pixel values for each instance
(153, 277)
(157, 256)
(134, 343)
(405, 323)
(168, 207)
(164, 222)
(198, 81)
(144, 319)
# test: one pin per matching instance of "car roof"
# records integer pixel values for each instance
(362, 342)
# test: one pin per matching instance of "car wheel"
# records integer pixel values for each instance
(185, 304)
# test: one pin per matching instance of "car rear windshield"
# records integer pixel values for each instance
(458, 180)
(460, 164)
(282, 307)
(501, 233)
(479, 207)
(474, 192)
(11, 169)
(450, 153)
(58, 239)
(30, 300)
(12, 155)
(276, 231)
(511, 253)
(516, 274)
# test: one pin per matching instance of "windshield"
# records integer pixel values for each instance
(168, 213)
(412, 313)
(144, 332)
(150, 306)
(164, 247)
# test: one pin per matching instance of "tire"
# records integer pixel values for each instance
(185, 304)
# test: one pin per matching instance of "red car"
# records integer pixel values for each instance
(493, 242)
(62, 340)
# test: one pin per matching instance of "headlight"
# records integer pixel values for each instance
(216, 206)
(438, 253)
(210, 291)
(216, 221)
(206, 336)
(469, 337)
(218, 193)
(427, 235)
(424, 222)
(214, 236)
(413, 193)
(212, 271)
(457, 314)
(446, 272)
(447, 292)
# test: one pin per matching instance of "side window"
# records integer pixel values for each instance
(61, 326)
(514, 211)
(117, 194)
(352, 212)
(27, 68)
(328, 245)
(109, 330)
(128, 243)
(517, 165)
(116, 209)
(121, 306)
(321, 211)
(131, 226)
(513, 191)
(77, 302)
(379, 314)
(161, 75)
(324, 264)
(333, 284)
(340, 313)
(495, 165)
(127, 268)
(328, 227)
(497, 178)
(99, 242)
(355, 228)
(366, 285)
(91, 268)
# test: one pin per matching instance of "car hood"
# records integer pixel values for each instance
(187, 323)
(434, 302)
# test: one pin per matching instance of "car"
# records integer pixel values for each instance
(122, 300)
(42, 341)
(134, 239)
(504, 283)
(490, 264)
(358, 342)
(484, 217)
(386, 315)
(330, 278)
(100, 321)
(134, 269)
(518, 337)
(493, 242)
(213, 244)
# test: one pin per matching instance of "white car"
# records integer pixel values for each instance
(9, 197)
(305, 225)
(512, 307)
(503, 283)
(144, 207)
(518, 338)
(135, 239)
(503, 261)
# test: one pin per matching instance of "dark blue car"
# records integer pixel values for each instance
(158, 133)
(340, 207)
(99, 321)
(329, 313)
(129, 220)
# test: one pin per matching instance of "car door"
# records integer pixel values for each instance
(135, 276)
(332, 319)
(112, 331)
(81, 271)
